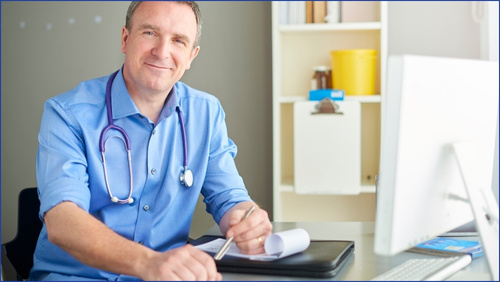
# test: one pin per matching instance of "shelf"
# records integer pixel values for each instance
(330, 27)
(292, 99)
(289, 188)
(360, 98)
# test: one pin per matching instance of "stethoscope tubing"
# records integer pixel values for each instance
(186, 176)
(114, 199)
(184, 139)
(111, 124)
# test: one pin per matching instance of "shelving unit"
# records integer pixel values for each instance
(296, 50)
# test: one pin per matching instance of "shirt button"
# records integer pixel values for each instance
(154, 131)
(153, 171)
(146, 207)
(140, 243)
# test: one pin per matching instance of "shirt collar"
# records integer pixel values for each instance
(123, 105)
(171, 104)
(121, 102)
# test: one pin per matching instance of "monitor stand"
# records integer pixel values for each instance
(477, 182)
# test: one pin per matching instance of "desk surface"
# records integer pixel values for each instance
(364, 265)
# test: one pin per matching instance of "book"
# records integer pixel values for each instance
(284, 12)
(446, 246)
(332, 12)
(296, 12)
(319, 11)
(315, 12)
(309, 12)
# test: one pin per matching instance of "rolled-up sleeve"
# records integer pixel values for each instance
(223, 187)
(61, 163)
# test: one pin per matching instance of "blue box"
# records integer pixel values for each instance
(334, 94)
(442, 245)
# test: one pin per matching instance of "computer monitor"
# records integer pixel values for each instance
(437, 152)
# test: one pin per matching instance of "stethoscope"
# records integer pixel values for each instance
(186, 176)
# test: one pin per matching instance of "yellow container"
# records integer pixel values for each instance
(354, 71)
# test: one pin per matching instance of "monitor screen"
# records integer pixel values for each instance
(431, 104)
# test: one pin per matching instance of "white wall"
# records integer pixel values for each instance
(433, 28)
(486, 13)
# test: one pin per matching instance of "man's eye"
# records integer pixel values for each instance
(149, 33)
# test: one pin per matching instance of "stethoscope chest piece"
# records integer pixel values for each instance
(187, 177)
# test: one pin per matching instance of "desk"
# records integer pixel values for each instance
(364, 264)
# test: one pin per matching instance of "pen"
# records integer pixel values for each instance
(226, 245)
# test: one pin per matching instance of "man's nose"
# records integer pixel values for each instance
(162, 49)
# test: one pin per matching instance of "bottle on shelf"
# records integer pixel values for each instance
(322, 78)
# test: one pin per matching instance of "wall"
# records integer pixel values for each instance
(433, 28)
(49, 47)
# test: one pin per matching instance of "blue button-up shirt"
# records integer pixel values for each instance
(70, 168)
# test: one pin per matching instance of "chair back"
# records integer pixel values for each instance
(20, 250)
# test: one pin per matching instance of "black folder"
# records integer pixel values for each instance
(321, 259)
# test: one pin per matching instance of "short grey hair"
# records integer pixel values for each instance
(194, 6)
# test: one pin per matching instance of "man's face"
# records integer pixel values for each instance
(158, 47)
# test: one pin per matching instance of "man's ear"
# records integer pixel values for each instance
(124, 39)
(194, 53)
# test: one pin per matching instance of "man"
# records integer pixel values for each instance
(114, 214)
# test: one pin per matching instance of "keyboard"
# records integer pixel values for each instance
(426, 269)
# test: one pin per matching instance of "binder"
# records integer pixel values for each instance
(322, 259)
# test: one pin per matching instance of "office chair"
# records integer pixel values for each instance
(19, 251)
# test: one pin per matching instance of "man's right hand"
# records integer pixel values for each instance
(184, 263)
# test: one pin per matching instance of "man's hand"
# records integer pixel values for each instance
(184, 263)
(248, 234)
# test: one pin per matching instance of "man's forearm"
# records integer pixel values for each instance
(93, 243)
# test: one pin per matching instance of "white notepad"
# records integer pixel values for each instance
(277, 245)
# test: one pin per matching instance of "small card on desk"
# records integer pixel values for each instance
(449, 246)
(321, 259)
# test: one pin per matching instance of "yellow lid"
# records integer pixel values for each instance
(353, 51)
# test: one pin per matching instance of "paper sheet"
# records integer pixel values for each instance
(277, 245)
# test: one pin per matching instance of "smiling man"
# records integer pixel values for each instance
(122, 160)
(159, 45)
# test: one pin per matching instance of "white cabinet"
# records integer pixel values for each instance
(296, 50)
